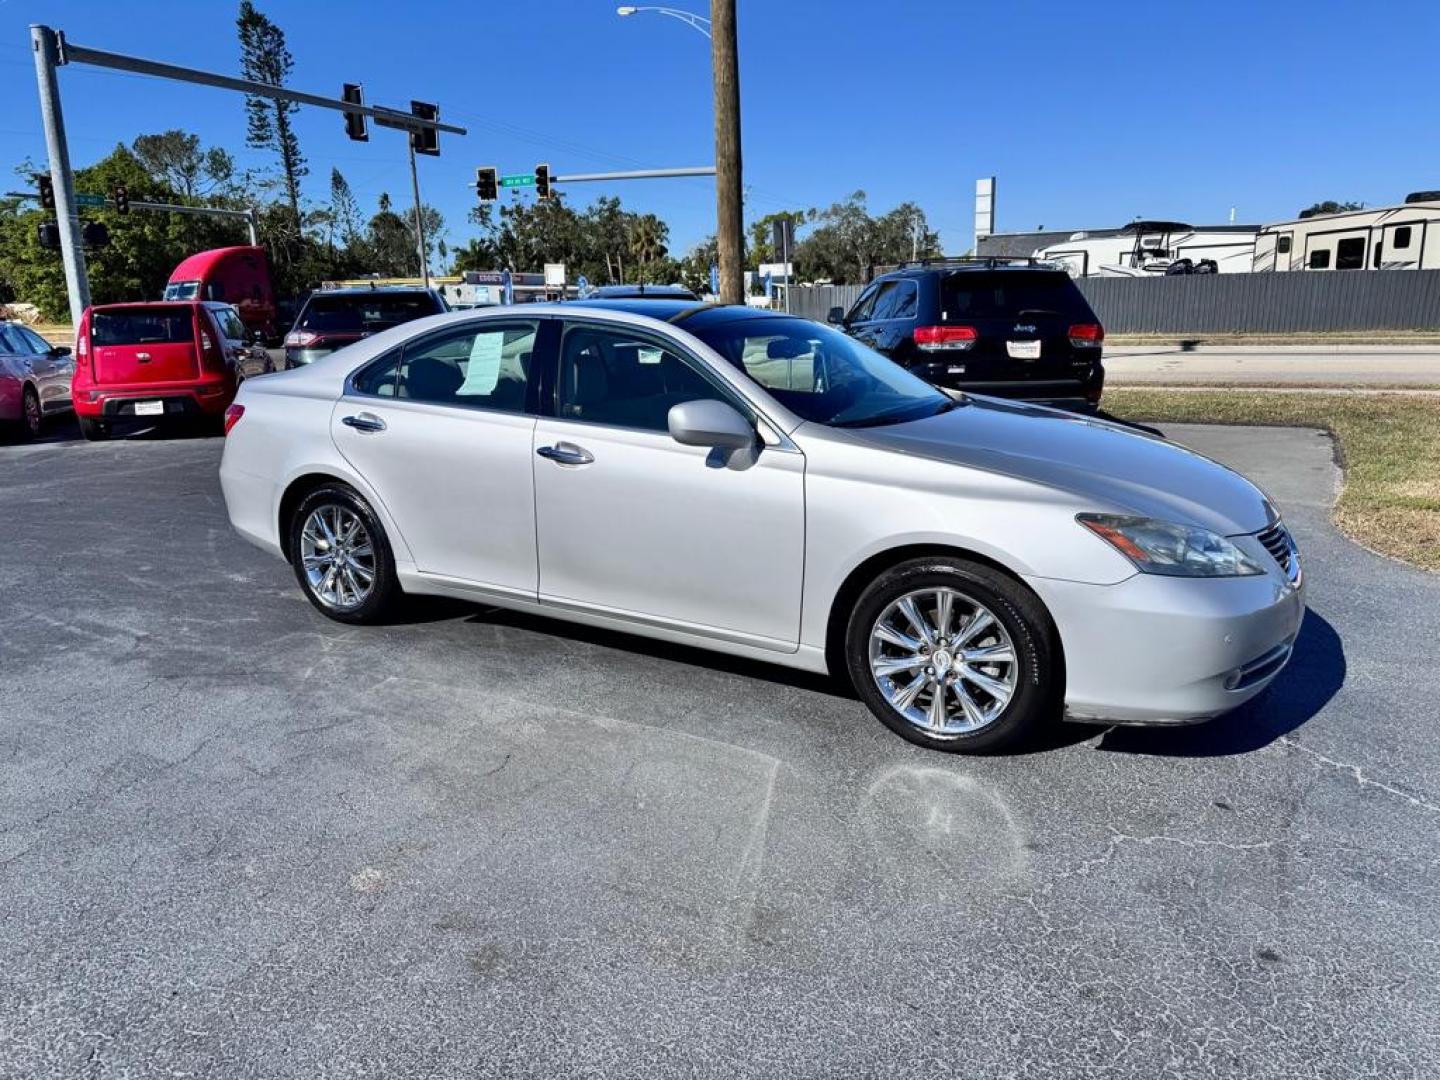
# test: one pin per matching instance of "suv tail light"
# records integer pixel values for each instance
(300, 338)
(936, 338)
(233, 413)
(1087, 335)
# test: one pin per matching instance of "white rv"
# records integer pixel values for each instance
(1154, 249)
(1405, 237)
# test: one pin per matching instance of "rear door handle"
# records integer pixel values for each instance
(564, 453)
(364, 422)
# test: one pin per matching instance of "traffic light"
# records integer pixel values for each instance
(94, 234)
(48, 233)
(47, 190)
(120, 196)
(356, 124)
(487, 183)
(542, 181)
(425, 140)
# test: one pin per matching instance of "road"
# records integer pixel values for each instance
(240, 840)
(1300, 365)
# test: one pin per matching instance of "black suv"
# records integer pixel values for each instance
(330, 319)
(1008, 327)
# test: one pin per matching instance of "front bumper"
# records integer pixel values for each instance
(1168, 650)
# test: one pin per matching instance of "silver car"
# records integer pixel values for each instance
(762, 485)
(34, 379)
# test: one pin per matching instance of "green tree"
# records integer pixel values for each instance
(389, 247)
(762, 247)
(1330, 206)
(176, 159)
(344, 209)
(265, 58)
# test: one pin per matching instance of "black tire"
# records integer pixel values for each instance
(1037, 666)
(32, 419)
(385, 588)
(93, 430)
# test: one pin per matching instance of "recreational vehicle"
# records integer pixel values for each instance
(1155, 248)
(1405, 237)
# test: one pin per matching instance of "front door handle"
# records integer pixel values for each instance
(364, 422)
(564, 453)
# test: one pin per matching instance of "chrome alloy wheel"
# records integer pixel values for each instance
(943, 661)
(339, 557)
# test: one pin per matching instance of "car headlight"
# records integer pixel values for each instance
(1163, 547)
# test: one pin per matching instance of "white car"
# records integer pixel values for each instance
(762, 485)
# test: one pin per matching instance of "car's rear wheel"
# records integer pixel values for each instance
(31, 416)
(93, 430)
(954, 655)
(341, 556)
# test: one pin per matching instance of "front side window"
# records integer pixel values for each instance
(823, 375)
(485, 366)
(230, 324)
(611, 376)
(861, 311)
(27, 339)
(1350, 254)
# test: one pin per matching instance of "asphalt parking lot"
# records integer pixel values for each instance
(237, 839)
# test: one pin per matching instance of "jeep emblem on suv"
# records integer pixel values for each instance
(1021, 328)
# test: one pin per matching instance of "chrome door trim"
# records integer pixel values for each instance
(719, 633)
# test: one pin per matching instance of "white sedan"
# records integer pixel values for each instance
(762, 485)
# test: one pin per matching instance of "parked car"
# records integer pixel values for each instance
(763, 485)
(245, 345)
(333, 318)
(239, 276)
(34, 379)
(154, 362)
(1012, 328)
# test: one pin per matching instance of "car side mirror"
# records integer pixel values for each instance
(60, 350)
(836, 316)
(710, 423)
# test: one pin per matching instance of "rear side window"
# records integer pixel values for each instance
(162, 326)
(485, 366)
(975, 294)
(365, 314)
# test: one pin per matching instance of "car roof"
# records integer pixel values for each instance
(373, 290)
(618, 292)
(690, 314)
(981, 266)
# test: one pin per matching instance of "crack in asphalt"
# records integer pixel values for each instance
(1357, 772)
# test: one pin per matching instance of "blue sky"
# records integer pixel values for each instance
(1089, 113)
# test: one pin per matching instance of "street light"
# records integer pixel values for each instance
(689, 18)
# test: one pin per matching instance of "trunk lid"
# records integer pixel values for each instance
(146, 343)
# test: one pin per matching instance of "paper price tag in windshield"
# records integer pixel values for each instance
(483, 373)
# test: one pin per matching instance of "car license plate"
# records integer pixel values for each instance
(149, 408)
(1023, 350)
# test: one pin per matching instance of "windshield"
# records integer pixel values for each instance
(366, 312)
(823, 375)
(181, 290)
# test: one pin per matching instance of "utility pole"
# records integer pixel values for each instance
(730, 225)
(72, 250)
(419, 218)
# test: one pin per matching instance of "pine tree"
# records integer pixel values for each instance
(265, 58)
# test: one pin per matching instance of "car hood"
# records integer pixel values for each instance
(1122, 469)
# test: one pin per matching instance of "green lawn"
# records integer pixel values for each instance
(1389, 445)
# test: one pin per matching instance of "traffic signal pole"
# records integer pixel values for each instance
(67, 215)
(419, 217)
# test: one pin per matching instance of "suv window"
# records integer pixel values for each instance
(365, 312)
(861, 311)
(979, 294)
(155, 326)
(484, 366)
(899, 301)
(613, 376)
(230, 324)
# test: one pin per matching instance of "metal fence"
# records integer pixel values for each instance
(1233, 303)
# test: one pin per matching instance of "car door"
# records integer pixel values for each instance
(892, 320)
(49, 369)
(631, 523)
(865, 321)
(441, 428)
(12, 375)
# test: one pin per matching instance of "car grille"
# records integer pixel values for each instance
(1278, 543)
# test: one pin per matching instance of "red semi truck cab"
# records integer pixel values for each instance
(239, 276)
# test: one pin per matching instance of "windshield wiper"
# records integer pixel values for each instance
(892, 418)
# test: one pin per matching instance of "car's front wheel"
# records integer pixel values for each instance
(954, 655)
(32, 415)
(341, 556)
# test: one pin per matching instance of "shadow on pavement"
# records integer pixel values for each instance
(1313, 676)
